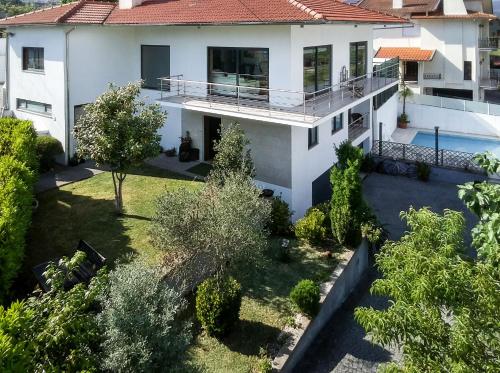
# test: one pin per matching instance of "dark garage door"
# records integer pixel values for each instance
(321, 188)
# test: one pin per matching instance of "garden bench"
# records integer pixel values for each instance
(85, 271)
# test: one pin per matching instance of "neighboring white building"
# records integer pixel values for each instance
(446, 51)
(279, 67)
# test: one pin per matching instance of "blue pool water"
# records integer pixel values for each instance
(458, 143)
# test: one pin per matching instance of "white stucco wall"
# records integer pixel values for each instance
(387, 114)
(426, 117)
(3, 66)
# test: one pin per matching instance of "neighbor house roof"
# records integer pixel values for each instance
(179, 12)
(409, 6)
(405, 53)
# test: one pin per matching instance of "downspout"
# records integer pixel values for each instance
(66, 94)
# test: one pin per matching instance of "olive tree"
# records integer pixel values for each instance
(119, 130)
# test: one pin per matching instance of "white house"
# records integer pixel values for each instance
(298, 76)
(445, 52)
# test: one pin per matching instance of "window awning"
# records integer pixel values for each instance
(406, 53)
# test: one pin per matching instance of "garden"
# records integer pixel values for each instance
(211, 272)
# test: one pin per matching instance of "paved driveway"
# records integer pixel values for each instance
(343, 346)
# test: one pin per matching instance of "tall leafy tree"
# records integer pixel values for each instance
(119, 130)
(445, 306)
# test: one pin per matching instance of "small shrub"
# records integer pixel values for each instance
(279, 250)
(18, 139)
(306, 295)
(47, 149)
(347, 152)
(423, 171)
(218, 305)
(279, 224)
(311, 228)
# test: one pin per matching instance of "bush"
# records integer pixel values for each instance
(47, 149)
(139, 321)
(18, 139)
(218, 305)
(347, 152)
(423, 171)
(306, 296)
(279, 250)
(16, 182)
(311, 228)
(279, 223)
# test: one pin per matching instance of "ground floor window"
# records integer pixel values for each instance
(155, 64)
(463, 94)
(34, 106)
(337, 123)
(312, 137)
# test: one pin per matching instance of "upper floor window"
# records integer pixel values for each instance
(33, 59)
(358, 58)
(317, 68)
(467, 70)
(312, 138)
(337, 123)
(34, 106)
(155, 64)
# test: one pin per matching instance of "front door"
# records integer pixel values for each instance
(211, 135)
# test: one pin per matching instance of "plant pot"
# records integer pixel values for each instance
(403, 124)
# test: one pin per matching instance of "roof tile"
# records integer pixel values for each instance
(405, 53)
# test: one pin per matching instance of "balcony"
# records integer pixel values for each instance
(488, 44)
(359, 124)
(491, 81)
(274, 105)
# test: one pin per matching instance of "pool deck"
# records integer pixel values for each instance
(404, 136)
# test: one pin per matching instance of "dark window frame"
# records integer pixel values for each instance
(337, 123)
(157, 87)
(237, 72)
(38, 59)
(355, 74)
(22, 104)
(312, 137)
(316, 47)
(467, 70)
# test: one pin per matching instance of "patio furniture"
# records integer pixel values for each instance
(85, 271)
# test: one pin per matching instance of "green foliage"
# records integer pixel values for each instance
(16, 184)
(444, 307)
(218, 302)
(348, 209)
(14, 8)
(119, 130)
(47, 148)
(56, 331)
(18, 139)
(212, 230)
(232, 154)
(311, 228)
(306, 296)
(139, 320)
(423, 171)
(347, 152)
(280, 223)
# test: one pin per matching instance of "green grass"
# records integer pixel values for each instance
(85, 210)
(202, 169)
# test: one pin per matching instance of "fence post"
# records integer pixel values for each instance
(404, 151)
(436, 147)
(380, 139)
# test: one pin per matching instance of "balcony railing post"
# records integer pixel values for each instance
(161, 88)
(238, 97)
(210, 94)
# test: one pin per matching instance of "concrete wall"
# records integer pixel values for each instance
(343, 281)
(387, 114)
(426, 117)
(3, 48)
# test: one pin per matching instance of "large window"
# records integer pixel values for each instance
(358, 58)
(245, 67)
(155, 63)
(467, 70)
(317, 68)
(33, 59)
(312, 137)
(337, 123)
(34, 107)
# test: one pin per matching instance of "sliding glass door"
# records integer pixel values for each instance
(245, 67)
(317, 68)
(358, 58)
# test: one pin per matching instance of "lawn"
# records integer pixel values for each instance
(85, 210)
(202, 169)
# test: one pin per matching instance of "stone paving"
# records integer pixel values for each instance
(343, 346)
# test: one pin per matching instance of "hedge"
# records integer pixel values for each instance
(18, 165)
(18, 139)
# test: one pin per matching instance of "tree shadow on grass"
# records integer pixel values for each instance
(248, 337)
(61, 220)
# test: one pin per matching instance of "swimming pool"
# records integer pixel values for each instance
(458, 143)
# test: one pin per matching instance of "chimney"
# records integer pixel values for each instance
(129, 4)
(397, 4)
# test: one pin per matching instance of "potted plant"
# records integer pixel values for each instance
(404, 94)
(403, 121)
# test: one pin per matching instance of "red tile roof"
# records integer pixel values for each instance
(405, 53)
(168, 12)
